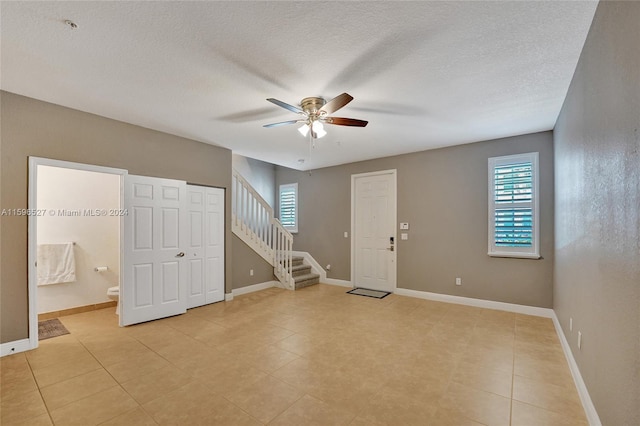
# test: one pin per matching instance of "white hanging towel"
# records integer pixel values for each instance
(56, 264)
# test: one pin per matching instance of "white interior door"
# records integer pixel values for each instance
(373, 230)
(154, 270)
(205, 247)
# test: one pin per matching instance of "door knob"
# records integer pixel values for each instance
(181, 254)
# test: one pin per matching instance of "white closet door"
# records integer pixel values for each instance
(154, 272)
(205, 252)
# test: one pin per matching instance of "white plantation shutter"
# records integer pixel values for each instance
(513, 206)
(288, 206)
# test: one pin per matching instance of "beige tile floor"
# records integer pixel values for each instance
(312, 357)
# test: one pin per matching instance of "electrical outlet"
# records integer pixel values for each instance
(346, 234)
(251, 272)
(328, 267)
(570, 324)
(579, 340)
(458, 281)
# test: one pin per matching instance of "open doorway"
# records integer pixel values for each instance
(75, 236)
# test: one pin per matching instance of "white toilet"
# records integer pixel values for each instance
(113, 293)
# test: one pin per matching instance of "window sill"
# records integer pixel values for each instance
(516, 255)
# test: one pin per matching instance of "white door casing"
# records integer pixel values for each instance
(373, 231)
(34, 162)
(205, 246)
(155, 270)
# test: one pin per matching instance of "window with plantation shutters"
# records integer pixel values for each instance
(288, 206)
(513, 206)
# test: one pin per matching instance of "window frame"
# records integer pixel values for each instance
(293, 229)
(532, 252)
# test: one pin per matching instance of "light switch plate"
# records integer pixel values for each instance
(404, 236)
(404, 225)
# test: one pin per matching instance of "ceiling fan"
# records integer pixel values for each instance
(316, 111)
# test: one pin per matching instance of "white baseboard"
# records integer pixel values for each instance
(251, 288)
(587, 404)
(340, 283)
(480, 303)
(15, 347)
(228, 297)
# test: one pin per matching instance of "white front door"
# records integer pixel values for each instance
(205, 247)
(373, 230)
(154, 281)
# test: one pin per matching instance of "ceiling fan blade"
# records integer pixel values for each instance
(339, 121)
(286, 106)
(336, 103)
(283, 123)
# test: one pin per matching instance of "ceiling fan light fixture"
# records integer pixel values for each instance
(304, 130)
(318, 129)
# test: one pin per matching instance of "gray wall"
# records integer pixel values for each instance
(34, 128)
(244, 260)
(597, 270)
(448, 228)
(259, 174)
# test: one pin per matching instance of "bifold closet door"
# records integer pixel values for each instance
(205, 246)
(155, 237)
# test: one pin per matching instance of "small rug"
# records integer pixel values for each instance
(369, 293)
(51, 328)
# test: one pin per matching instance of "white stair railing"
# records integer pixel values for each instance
(254, 223)
(283, 254)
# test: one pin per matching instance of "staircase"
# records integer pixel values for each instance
(253, 221)
(302, 275)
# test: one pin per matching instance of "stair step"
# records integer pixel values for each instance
(295, 261)
(300, 270)
(306, 280)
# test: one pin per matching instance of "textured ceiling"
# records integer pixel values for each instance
(424, 74)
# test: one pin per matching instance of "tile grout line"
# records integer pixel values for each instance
(117, 383)
(46, 407)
